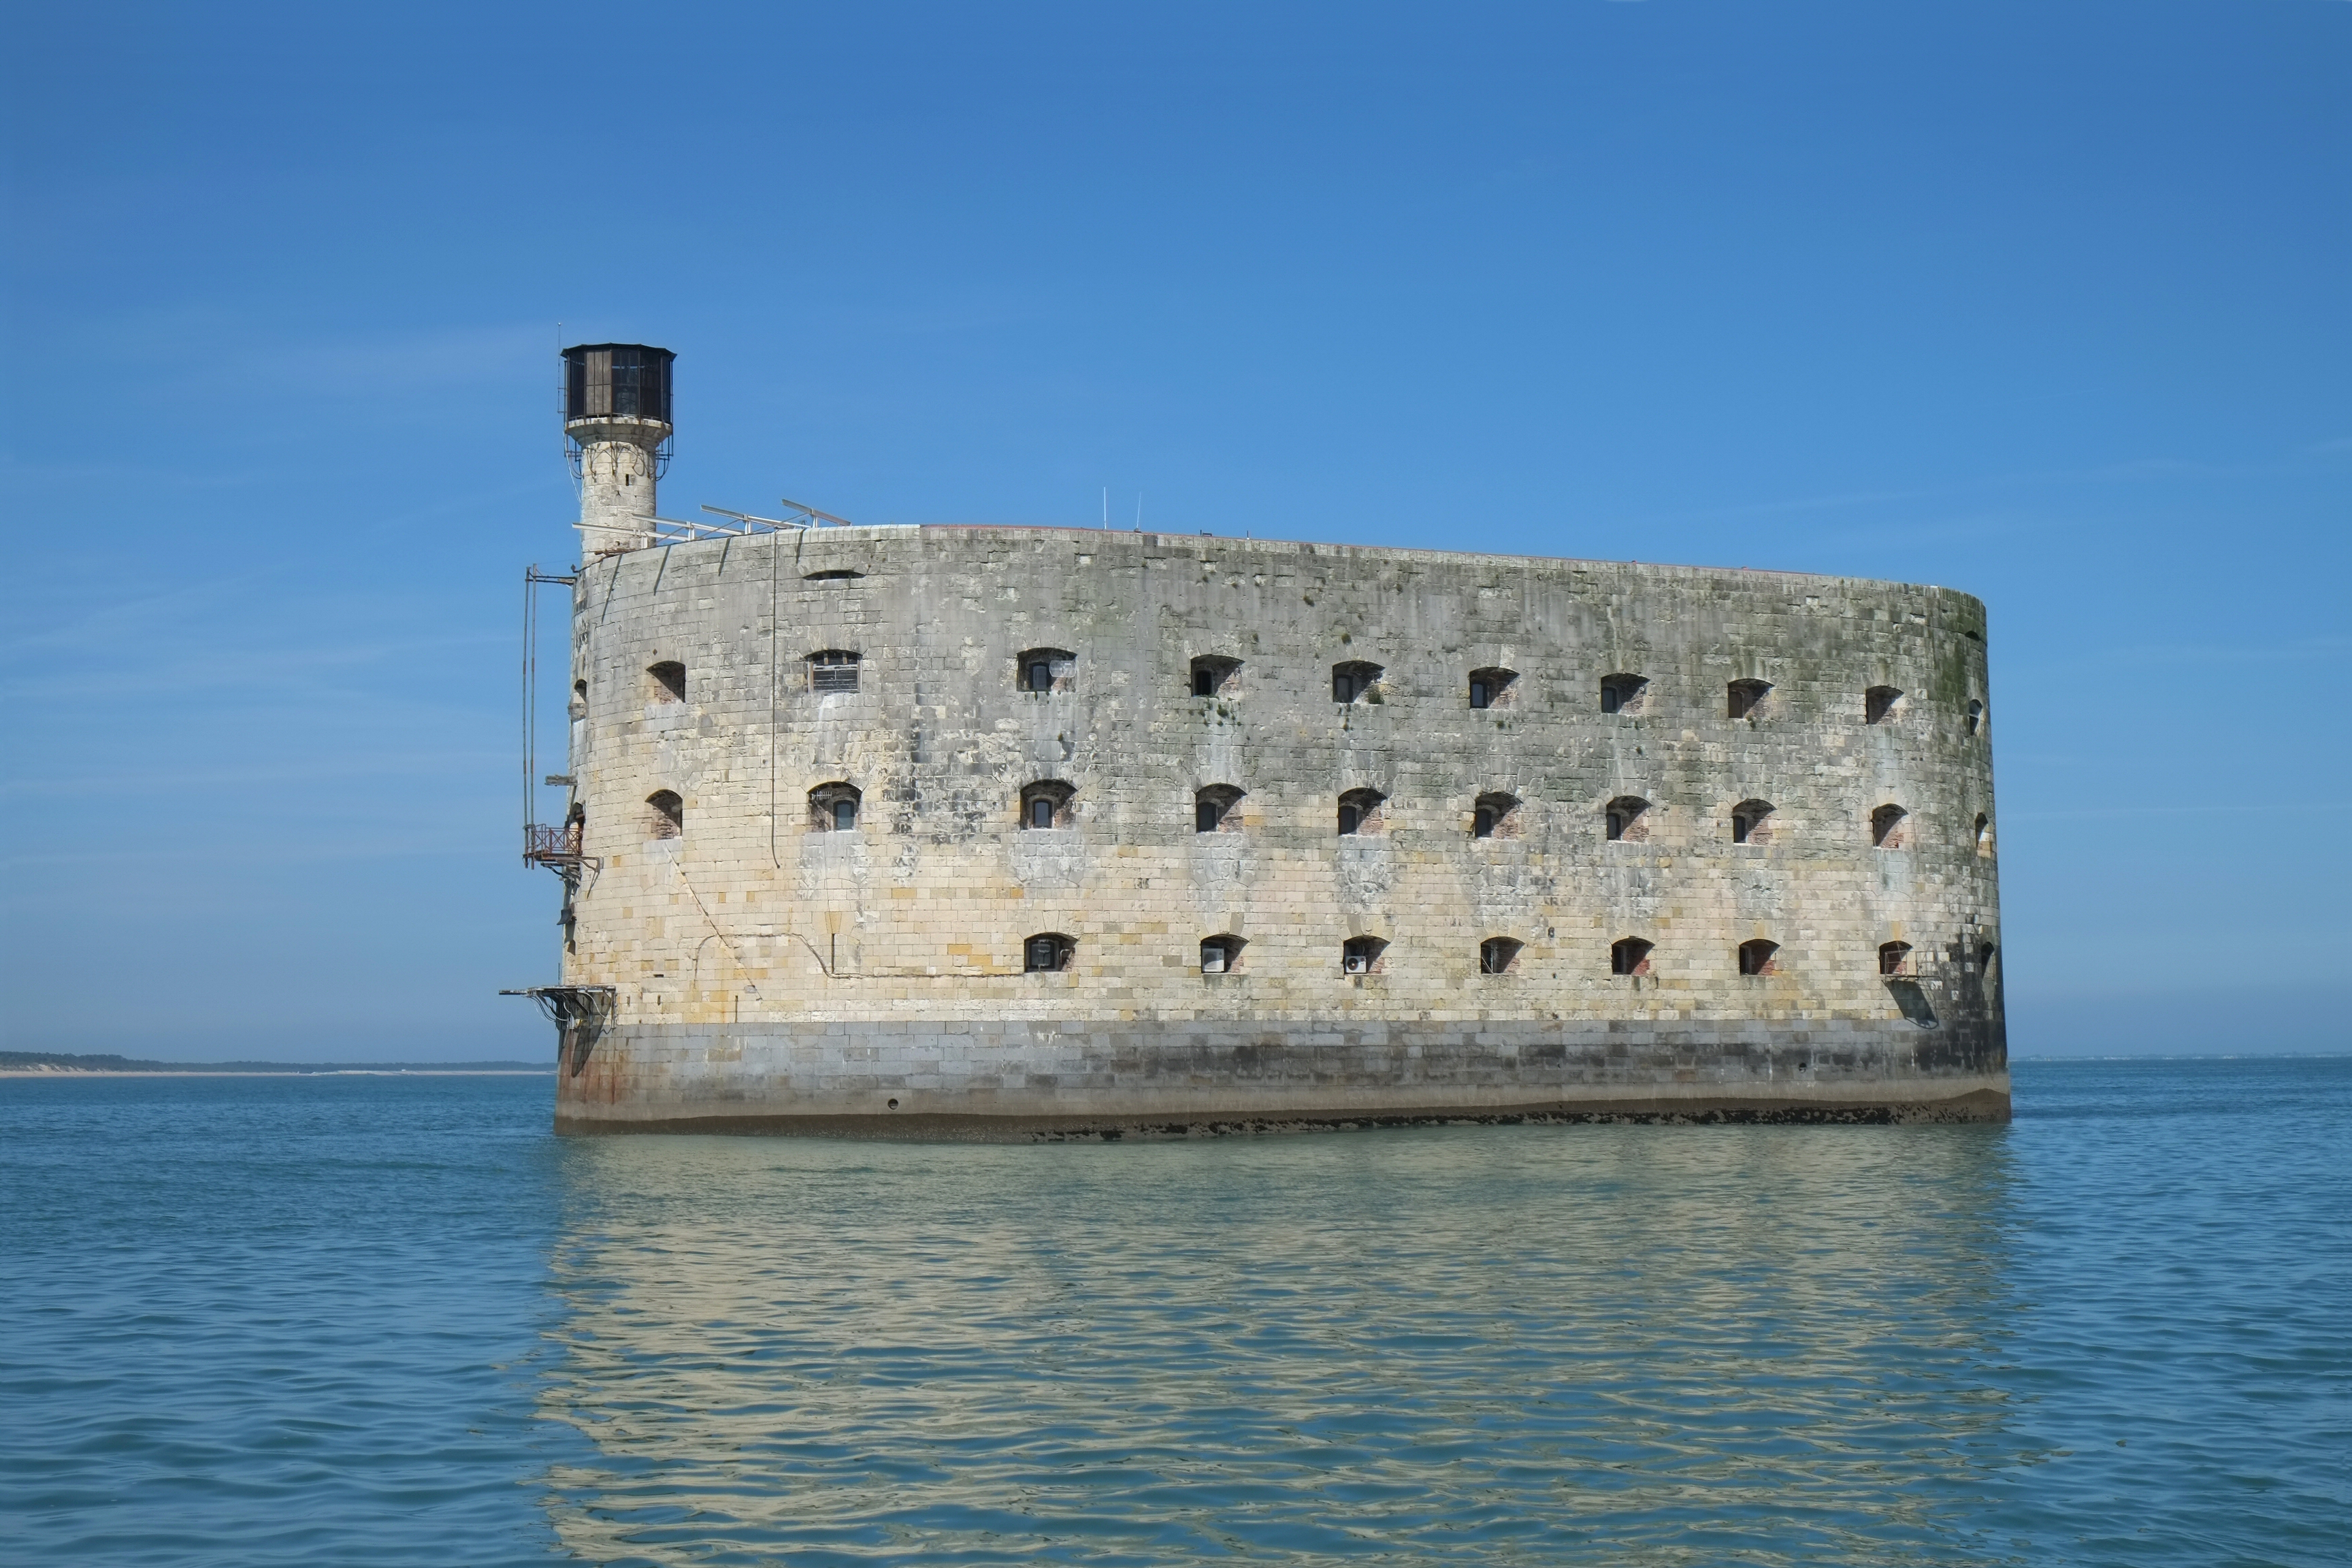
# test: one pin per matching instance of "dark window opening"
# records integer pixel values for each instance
(1497, 954)
(1212, 808)
(1623, 693)
(1046, 953)
(1360, 810)
(1626, 819)
(1882, 705)
(1221, 954)
(1751, 822)
(1045, 670)
(1742, 698)
(1976, 715)
(579, 700)
(1490, 688)
(1046, 804)
(833, 671)
(1492, 815)
(666, 682)
(666, 815)
(839, 575)
(1893, 958)
(1210, 673)
(1756, 957)
(832, 808)
(1629, 955)
(1355, 681)
(1361, 955)
(1888, 827)
(1984, 834)
(1984, 957)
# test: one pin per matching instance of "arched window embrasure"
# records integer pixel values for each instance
(1491, 686)
(1497, 954)
(1213, 675)
(1623, 693)
(1359, 811)
(1355, 681)
(1047, 952)
(1751, 822)
(1222, 954)
(665, 815)
(1216, 808)
(1626, 819)
(833, 671)
(1045, 670)
(1495, 814)
(1893, 959)
(1629, 955)
(833, 807)
(1046, 803)
(1755, 956)
(1362, 955)
(1746, 699)
(1890, 826)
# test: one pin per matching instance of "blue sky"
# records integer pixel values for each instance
(2045, 302)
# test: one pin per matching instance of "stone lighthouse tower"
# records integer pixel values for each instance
(617, 415)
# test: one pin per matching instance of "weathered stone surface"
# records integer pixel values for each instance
(770, 972)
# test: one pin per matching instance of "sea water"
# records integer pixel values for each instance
(347, 1320)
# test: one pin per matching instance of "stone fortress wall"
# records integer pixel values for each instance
(778, 962)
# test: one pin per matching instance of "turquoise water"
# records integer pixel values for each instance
(390, 1321)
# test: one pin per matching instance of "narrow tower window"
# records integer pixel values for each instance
(1894, 958)
(1214, 808)
(1046, 804)
(1361, 955)
(832, 574)
(1984, 834)
(1047, 952)
(665, 681)
(1626, 819)
(1629, 955)
(1491, 688)
(832, 671)
(1211, 675)
(1756, 957)
(1976, 715)
(1221, 954)
(1751, 822)
(1047, 669)
(1889, 827)
(1882, 705)
(1356, 681)
(665, 815)
(1743, 699)
(1359, 811)
(1497, 954)
(1623, 693)
(832, 808)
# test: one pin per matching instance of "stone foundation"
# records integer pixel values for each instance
(1043, 1079)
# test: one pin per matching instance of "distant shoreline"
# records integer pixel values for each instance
(71, 1064)
(277, 1072)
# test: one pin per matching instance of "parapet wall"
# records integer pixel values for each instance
(762, 927)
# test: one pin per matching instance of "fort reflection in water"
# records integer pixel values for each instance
(1478, 1344)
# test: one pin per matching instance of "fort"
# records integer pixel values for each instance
(971, 831)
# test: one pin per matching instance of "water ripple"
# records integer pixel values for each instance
(393, 1321)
